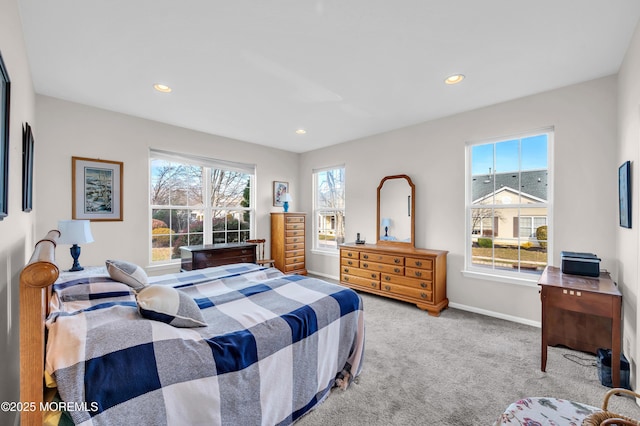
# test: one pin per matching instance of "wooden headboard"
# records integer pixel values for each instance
(40, 272)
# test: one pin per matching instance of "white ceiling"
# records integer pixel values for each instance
(257, 70)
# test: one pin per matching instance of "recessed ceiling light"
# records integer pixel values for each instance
(301, 131)
(162, 88)
(454, 79)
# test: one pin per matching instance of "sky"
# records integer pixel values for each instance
(533, 156)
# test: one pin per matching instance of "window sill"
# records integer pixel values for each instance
(526, 281)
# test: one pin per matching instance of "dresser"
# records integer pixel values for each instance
(410, 274)
(582, 313)
(288, 242)
(205, 256)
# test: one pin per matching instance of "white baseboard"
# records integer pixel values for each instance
(495, 314)
(461, 307)
(323, 275)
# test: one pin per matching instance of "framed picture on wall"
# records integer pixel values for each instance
(27, 168)
(624, 194)
(279, 189)
(5, 95)
(96, 189)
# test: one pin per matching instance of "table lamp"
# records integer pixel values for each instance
(286, 198)
(386, 223)
(75, 232)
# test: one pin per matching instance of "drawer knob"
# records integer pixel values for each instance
(418, 263)
(418, 274)
(349, 262)
(388, 288)
(345, 270)
(346, 278)
(387, 278)
(365, 265)
(396, 260)
(373, 276)
(365, 256)
(374, 284)
(349, 254)
(423, 285)
(423, 295)
(396, 270)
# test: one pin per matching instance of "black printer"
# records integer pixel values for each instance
(587, 264)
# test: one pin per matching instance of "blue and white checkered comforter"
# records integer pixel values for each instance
(271, 351)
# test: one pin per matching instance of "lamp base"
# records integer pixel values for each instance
(75, 253)
(285, 206)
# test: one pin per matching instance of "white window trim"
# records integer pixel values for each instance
(207, 163)
(519, 278)
(314, 248)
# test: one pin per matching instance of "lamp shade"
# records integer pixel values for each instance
(286, 197)
(386, 222)
(74, 232)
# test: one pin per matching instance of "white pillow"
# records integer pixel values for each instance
(127, 273)
(169, 305)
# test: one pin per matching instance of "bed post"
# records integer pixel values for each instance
(35, 279)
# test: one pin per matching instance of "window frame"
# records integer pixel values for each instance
(315, 247)
(207, 165)
(518, 277)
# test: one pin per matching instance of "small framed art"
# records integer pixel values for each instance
(279, 189)
(96, 189)
(624, 194)
(5, 94)
(27, 168)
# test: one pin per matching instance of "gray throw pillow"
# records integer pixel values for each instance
(169, 305)
(128, 273)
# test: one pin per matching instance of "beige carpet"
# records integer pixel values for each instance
(457, 369)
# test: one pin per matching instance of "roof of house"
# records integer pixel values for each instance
(531, 183)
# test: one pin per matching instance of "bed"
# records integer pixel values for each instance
(259, 348)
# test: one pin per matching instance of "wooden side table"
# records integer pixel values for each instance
(581, 313)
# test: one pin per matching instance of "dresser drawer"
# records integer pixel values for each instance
(360, 281)
(294, 246)
(424, 295)
(293, 267)
(353, 254)
(349, 262)
(419, 273)
(413, 262)
(294, 219)
(294, 233)
(382, 258)
(406, 281)
(579, 301)
(290, 226)
(371, 275)
(294, 253)
(298, 239)
(292, 260)
(382, 267)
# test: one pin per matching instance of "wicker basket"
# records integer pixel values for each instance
(606, 417)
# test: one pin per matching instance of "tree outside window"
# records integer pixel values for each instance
(180, 215)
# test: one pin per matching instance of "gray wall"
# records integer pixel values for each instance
(71, 129)
(433, 155)
(627, 239)
(16, 230)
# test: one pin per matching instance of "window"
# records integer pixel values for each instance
(328, 208)
(508, 209)
(197, 201)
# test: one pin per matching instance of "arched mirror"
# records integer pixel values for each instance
(396, 210)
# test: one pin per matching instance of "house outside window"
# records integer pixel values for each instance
(328, 208)
(508, 205)
(196, 201)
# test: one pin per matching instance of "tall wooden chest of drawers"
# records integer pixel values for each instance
(405, 273)
(288, 242)
(205, 256)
